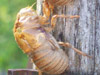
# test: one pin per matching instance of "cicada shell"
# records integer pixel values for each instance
(38, 44)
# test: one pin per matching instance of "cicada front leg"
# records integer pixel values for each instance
(43, 20)
(46, 10)
(75, 49)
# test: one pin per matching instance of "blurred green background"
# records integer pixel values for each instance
(11, 57)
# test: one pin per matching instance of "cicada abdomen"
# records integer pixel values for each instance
(38, 44)
(50, 58)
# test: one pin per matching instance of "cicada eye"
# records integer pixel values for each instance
(24, 11)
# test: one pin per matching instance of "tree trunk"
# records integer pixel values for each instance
(82, 33)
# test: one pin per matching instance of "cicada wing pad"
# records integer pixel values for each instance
(22, 43)
(32, 41)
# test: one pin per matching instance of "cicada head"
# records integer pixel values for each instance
(26, 18)
(28, 11)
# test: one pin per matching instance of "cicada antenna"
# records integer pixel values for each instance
(33, 5)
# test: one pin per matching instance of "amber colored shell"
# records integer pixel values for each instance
(38, 44)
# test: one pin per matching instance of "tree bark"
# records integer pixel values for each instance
(83, 33)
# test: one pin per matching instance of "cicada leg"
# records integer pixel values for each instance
(43, 20)
(75, 49)
(54, 18)
(46, 10)
(39, 71)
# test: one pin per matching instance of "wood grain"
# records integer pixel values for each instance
(22, 72)
(82, 33)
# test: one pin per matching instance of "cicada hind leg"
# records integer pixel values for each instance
(75, 49)
(34, 67)
(39, 71)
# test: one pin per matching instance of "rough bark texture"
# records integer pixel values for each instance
(82, 33)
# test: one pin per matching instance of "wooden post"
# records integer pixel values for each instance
(22, 72)
(82, 33)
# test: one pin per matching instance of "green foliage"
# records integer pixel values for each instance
(10, 55)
